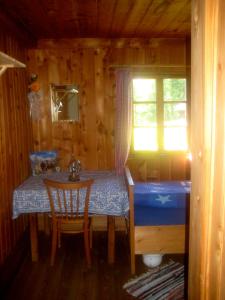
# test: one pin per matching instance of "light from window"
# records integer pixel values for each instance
(142, 140)
(175, 114)
(159, 120)
(144, 114)
(144, 90)
(175, 119)
(174, 89)
(175, 138)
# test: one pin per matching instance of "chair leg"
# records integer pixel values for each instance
(87, 247)
(59, 238)
(59, 233)
(91, 236)
(54, 243)
(126, 225)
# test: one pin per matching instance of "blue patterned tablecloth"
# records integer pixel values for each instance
(108, 194)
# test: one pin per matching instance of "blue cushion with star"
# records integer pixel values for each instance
(164, 194)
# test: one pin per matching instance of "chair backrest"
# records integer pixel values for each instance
(69, 199)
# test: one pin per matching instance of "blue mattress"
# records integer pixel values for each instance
(161, 203)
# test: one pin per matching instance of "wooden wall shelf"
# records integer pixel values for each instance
(7, 61)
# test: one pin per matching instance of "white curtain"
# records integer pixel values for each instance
(123, 128)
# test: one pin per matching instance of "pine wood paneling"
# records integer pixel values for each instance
(91, 63)
(15, 143)
(169, 239)
(207, 243)
(101, 18)
(159, 167)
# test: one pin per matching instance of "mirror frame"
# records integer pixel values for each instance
(56, 103)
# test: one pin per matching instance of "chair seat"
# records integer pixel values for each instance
(72, 225)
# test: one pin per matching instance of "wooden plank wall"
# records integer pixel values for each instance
(91, 63)
(207, 226)
(15, 143)
(160, 167)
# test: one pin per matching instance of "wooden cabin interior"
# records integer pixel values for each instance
(84, 43)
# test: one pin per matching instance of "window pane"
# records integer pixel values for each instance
(144, 114)
(144, 90)
(175, 138)
(174, 89)
(145, 139)
(175, 114)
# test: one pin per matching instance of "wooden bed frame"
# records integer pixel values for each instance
(152, 239)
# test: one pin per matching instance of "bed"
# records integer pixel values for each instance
(158, 216)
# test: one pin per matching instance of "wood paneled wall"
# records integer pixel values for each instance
(174, 166)
(91, 63)
(15, 143)
(207, 226)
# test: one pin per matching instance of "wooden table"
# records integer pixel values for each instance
(108, 197)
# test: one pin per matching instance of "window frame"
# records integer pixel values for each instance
(160, 113)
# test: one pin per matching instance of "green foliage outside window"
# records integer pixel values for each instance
(156, 119)
(174, 89)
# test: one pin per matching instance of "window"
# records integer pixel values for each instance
(159, 114)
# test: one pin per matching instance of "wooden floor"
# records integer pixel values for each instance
(70, 278)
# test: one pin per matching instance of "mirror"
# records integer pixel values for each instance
(65, 102)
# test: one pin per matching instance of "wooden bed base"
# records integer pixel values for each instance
(152, 239)
(159, 239)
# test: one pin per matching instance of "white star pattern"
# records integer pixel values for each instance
(163, 199)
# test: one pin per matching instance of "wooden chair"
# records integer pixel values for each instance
(152, 239)
(65, 201)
